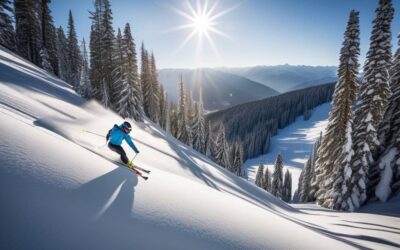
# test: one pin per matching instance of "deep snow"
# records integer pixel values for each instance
(294, 142)
(60, 189)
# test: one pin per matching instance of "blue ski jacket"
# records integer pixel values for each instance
(117, 134)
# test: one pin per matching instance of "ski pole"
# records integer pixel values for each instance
(134, 157)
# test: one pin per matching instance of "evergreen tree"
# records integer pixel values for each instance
(7, 33)
(221, 150)
(84, 83)
(267, 180)
(336, 147)
(372, 99)
(316, 171)
(45, 61)
(134, 95)
(106, 45)
(61, 54)
(182, 122)
(27, 29)
(154, 92)
(190, 115)
(235, 159)
(145, 80)
(287, 187)
(96, 53)
(201, 126)
(277, 177)
(173, 120)
(209, 143)
(304, 182)
(167, 114)
(260, 176)
(163, 108)
(120, 89)
(49, 55)
(73, 54)
(385, 181)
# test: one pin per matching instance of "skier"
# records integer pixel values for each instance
(115, 137)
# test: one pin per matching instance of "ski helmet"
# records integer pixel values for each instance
(127, 126)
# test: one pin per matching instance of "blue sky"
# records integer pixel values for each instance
(258, 32)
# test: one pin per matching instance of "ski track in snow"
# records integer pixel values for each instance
(60, 188)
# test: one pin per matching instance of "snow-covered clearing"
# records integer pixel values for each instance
(60, 189)
(294, 142)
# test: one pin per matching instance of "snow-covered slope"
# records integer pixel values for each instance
(294, 142)
(60, 189)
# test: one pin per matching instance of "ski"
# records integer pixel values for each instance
(139, 173)
(142, 169)
(134, 170)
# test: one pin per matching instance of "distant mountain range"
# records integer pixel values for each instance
(313, 83)
(220, 89)
(286, 77)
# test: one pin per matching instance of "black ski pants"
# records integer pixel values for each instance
(118, 149)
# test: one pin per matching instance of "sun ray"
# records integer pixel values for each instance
(187, 40)
(180, 12)
(224, 12)
(182, 27)
(202, 18)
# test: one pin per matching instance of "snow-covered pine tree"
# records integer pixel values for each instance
(45, 60)
(48, 51)
(154, 90)
(200, 130)
(315, 183)
(209, 142)
(277, 177)
(135, 105)
(203, 128)
(73, 54)
(145, 81)
(163, 108)
(173, 120)
(27, 30)
(190, 115)
(259, 181)
(106, 45)
(7, 33)
(61, 44)
(305, 188)
(194, 126)
(182, 134)
(374, 93)
(297, 196)
(238, 159)
(96, 53)
(287, 187)
(221, 151)
(304, 182)
(84, 83)
(386, 182)
(167, 113)
(267, 180)
(335, 151)
(120, 89)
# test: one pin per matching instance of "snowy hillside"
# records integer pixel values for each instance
(61, 189)
(294, 142)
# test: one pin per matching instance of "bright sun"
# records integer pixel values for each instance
(201, 21)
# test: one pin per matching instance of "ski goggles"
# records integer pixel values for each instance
(127, 130)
